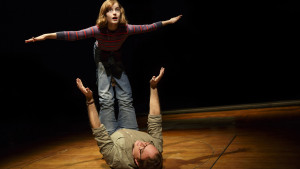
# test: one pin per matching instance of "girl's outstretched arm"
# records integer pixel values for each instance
(42, 37)
(171, 21)
(135, 29)
(78, 35)
(67, 35)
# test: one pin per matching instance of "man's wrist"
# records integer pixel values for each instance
(89, 102)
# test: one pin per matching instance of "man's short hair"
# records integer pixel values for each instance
(152, 163)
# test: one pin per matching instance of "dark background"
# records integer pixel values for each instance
(219, 53)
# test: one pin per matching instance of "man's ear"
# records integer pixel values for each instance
(136, 161)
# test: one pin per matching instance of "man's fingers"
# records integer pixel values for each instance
(152, 79)
(162, 70)
(161, 73)
(89, 90)
(78, 81)
(80, 85)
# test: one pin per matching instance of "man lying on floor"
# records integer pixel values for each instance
(128, 148)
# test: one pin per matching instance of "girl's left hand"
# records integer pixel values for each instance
(175, 19)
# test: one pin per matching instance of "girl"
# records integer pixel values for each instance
(110, 31)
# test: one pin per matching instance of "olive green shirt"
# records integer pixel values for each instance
(117, 148)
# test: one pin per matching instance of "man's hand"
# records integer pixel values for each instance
(86, 91)
(154, 81)
(92, 111)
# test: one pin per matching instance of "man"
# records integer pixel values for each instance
(128, 148)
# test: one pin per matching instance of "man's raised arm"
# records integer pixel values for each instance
(154, 99)
(92, 110)
(104, 141)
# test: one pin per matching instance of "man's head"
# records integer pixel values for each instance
(146, 155)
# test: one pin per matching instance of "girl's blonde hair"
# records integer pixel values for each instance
(101, 21)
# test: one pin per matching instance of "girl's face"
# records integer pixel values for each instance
(113, 14)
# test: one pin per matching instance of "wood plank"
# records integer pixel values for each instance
(266, 138)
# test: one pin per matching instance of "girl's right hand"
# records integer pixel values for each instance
(34, 39)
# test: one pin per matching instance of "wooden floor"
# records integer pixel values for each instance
(265, 138)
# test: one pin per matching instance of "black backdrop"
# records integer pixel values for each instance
(219, 53)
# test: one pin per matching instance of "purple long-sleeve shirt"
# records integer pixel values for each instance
(108, 40)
